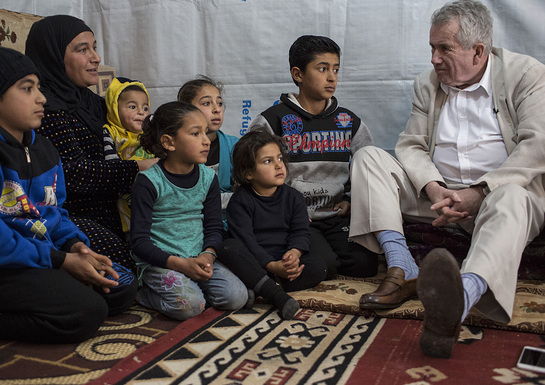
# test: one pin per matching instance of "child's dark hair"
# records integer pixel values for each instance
(166, 120)
(190, 88)
(306, 47)
(245, 151)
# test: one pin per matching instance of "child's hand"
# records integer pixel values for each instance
(288, 267)
(200, 269)
(88, 267)
(206, 262)
(277, 268)
(290, 262)
(343, 208)
(144, 164)
(197, 269)
(208, 255)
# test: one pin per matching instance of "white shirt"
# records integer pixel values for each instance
(469, 142)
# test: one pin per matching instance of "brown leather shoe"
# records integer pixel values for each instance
(391, 293)
(440, 289)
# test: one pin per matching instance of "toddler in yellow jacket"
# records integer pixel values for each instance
(127, 102)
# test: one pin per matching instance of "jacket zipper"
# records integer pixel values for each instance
(29, 166)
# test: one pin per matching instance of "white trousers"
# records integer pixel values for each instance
(510, 217)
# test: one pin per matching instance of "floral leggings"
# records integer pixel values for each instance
(177, 296)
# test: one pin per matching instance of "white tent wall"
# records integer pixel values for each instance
(245, 43)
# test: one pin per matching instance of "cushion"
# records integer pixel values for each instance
(423, 237)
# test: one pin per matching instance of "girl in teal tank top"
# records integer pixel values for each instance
(176, 222)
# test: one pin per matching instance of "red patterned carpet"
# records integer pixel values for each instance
(330, 342)
(253, 346)
(482, 356)
(74, 364)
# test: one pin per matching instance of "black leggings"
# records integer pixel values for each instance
(236, 256)
(329, 241)
(50, 306)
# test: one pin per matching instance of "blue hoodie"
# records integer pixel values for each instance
(35, 231)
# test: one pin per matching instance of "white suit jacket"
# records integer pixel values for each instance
(518, 89)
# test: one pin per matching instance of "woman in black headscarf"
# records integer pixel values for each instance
(64, 50)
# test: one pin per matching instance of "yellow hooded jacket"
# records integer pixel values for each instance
(126, 143)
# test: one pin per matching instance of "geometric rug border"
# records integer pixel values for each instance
(147, 355)
(332, 355)
(164, 356)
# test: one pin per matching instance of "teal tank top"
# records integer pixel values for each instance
(177, 219)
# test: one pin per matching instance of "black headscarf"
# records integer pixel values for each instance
(46, 45)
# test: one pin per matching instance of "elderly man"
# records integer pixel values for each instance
(472, 155)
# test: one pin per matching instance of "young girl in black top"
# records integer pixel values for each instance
(269, 224)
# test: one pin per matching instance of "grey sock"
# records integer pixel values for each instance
(251, 299)
(289, 309)
(273, 292)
